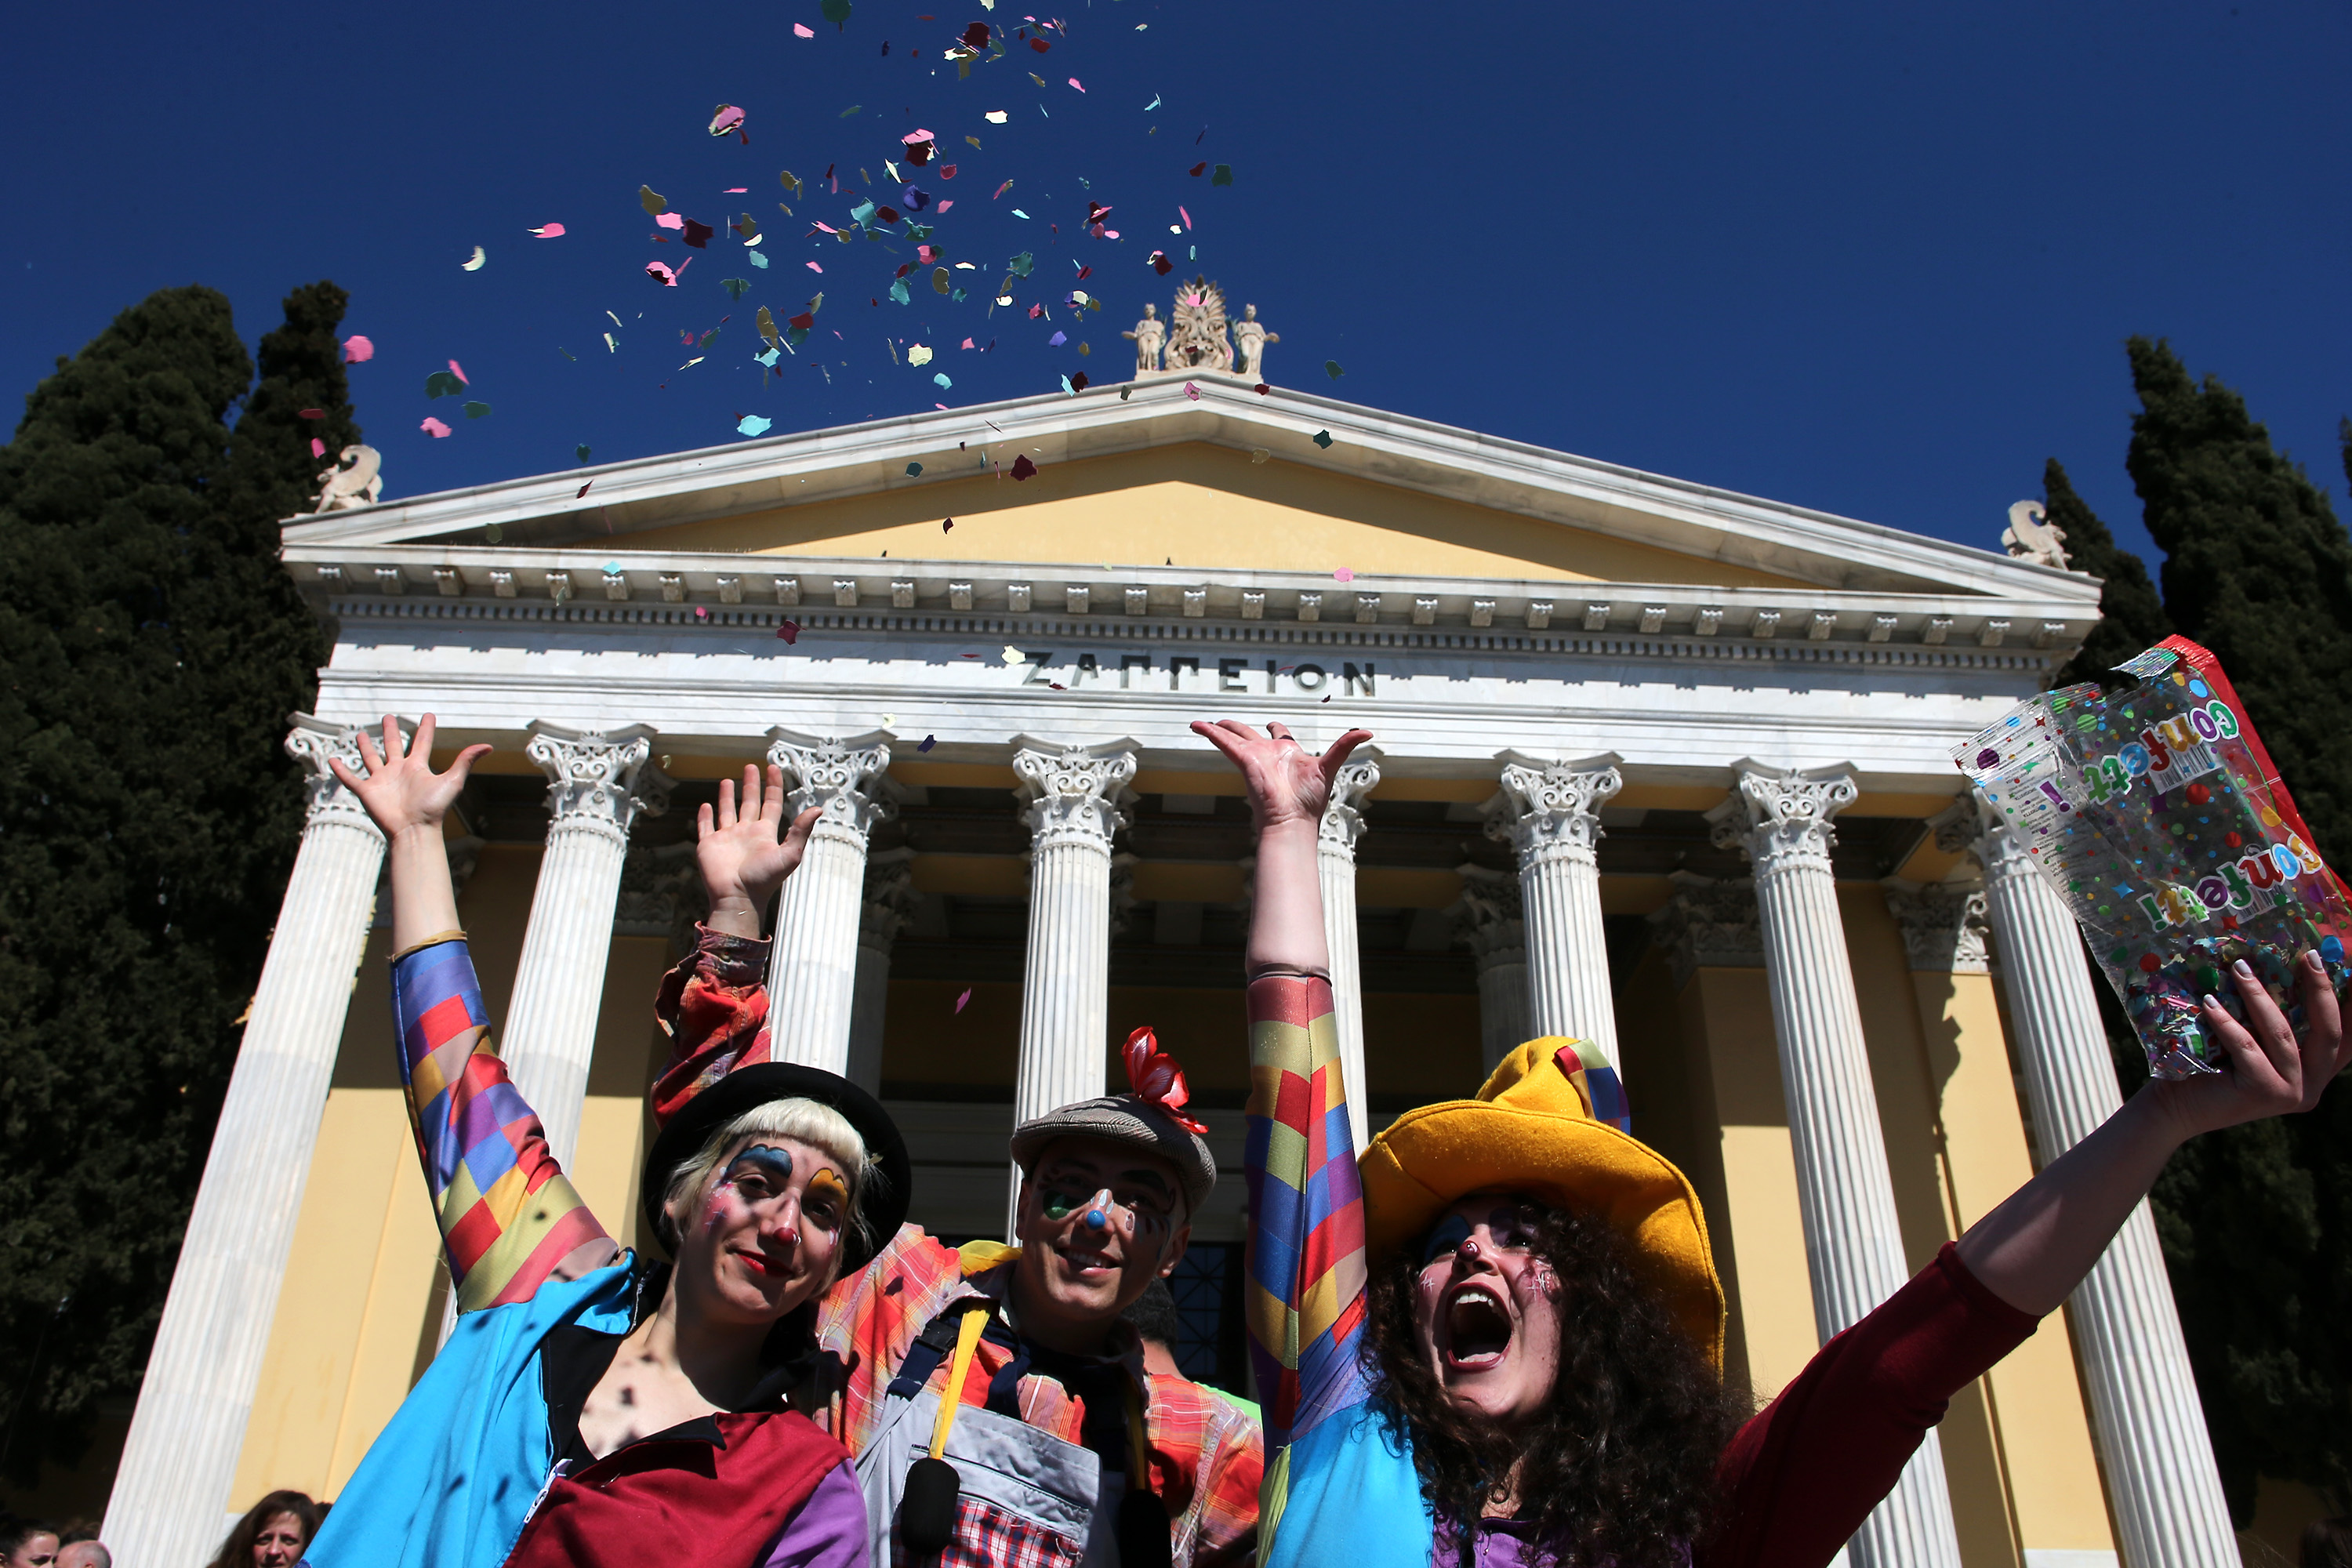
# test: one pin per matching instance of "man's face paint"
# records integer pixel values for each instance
(1098, 1223)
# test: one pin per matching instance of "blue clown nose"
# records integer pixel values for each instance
(1097, 1219)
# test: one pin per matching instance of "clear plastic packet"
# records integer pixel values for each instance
(2156, 815)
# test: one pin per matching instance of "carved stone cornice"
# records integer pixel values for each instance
(598, 780)
(888, 898)
(1709, 925)
(1549, 807)
(1073, 793)
(313, 742)
(1955, 827)
(1343, 818)
(1944, 925)
(1490, 917)
(847, 779)
(1780, 816)
(661, 895)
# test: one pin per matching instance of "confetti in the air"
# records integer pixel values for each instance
(433, 428)
(475, 264)
(753, 425)
(358, 351)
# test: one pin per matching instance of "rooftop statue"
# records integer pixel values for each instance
(2029, 538)
(356, 480)
(1148, 334)
(1250, 337)
(1198, 339)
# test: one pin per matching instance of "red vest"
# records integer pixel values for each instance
(723, 1501)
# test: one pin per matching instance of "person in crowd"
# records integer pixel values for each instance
(1012, 1363)
(1496, 1339)
(26, 1543)
(1154, 1317)
(79, 1547)
(274, 1534)
(2326, 1543)
(592, 1407)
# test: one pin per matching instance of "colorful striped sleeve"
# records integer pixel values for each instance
(510, 1218)
(1306, 1272)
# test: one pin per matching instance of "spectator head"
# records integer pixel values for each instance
(26, 1543)
(1154, 1317)
(274, 1534)
(85, 1553)
(2327, 1543)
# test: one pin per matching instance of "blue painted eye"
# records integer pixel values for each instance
(1449, 1236)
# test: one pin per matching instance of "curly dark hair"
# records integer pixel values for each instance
(1621, 1465)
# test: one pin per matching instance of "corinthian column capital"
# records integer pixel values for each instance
(600, 780)
(314, 742)
(1552, 808)
(1943, 925)
(1343, 818)
(848, 780)
(1780, 816)
(1071, 794)
(1490, 918)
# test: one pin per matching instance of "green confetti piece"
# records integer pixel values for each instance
(863, 212)
(1223, 177)
(442, 383)
(898, 290)
(913, 469)
(736, 287)
(1019, 265)
(835, 11)
(1323, 437)
(582, 450)
(851, 110)
(1331, 368)
(653, 201)
(477, 410)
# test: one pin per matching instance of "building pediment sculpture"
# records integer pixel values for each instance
(356, 480)
(1194, 338)
(2031, 537)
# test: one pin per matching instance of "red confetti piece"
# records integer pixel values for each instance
(583, 490)
(947, 526)
(1078, 381)
(1198, 168)
(1023, 468)
(314, 413)
(1040, 44)
(790, 631)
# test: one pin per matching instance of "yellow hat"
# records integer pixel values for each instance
(1533, 1130)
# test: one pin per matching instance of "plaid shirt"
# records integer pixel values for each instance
(1206, 1455)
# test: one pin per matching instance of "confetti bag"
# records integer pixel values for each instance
(2155, 813)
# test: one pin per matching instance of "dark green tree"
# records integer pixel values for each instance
(150, 650)
(2132, 616)
(2256, 1221)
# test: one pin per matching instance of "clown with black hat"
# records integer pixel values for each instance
(590, 1405)
(1496, 1339)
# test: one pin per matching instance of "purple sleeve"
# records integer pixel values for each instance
(827, 1530)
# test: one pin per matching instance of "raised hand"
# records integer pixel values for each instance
(1285, 782)
(402, 792)
(2268, 1071)
(746, 852)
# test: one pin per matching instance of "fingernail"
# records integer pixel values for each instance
(2315, 961)
(2243, 970)
(2213, 1002)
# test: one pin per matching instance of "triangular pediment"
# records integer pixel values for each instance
(1226, 480)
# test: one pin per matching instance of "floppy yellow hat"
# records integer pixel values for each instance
(1533, 1130)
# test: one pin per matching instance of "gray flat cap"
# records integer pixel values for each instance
(1124, 1119)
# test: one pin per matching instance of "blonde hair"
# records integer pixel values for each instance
(808, 1121)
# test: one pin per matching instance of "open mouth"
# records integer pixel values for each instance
(1478, 1329)
(1084, 1260)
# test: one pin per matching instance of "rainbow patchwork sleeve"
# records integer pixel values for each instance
(1306, 1274)
(509, 1219)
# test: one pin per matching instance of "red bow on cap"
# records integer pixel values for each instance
(1157, 1081)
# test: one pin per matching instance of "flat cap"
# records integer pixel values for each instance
(1129, 1120)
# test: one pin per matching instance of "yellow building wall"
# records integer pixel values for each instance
(1196, 505)
(359, 1317)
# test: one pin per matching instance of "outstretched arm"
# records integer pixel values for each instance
(509, 1219)
(1305, 1252)
(2038, 1245)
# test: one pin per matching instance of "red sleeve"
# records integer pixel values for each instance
(1802, 1476)
(713, 1009)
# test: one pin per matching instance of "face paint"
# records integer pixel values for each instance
(826, 1187)
(776, 1164)
(1451, 1233)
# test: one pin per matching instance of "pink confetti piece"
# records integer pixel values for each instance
(967, 342)
(317, 447)
(459, 372)
(728, 117)
(801, 31)
(812, 267)
(667, 279)
(736, 191)
(358, 351)
(1185, 215)
(668, 220)
(548, 231)
(1074, 82)
(913, 137)
(943, 205)
(1191, 392)
(963, 999)
(1343, 574)
(433, 428)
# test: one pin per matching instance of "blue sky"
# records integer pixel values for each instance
(1875, 259)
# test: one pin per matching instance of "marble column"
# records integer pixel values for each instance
(597, 785)
(813, 966)
(1490, 919)
(1549, 813)
(1343, 823)
(1845, 1195)
(180, 1459)
(1071, 797)
(888, 905)
(2163, 1487)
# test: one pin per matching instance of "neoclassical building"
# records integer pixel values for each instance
(1659, 766)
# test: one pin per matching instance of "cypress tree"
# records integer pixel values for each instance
(150, 649)
(2256, 1221)
(2132, 616)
